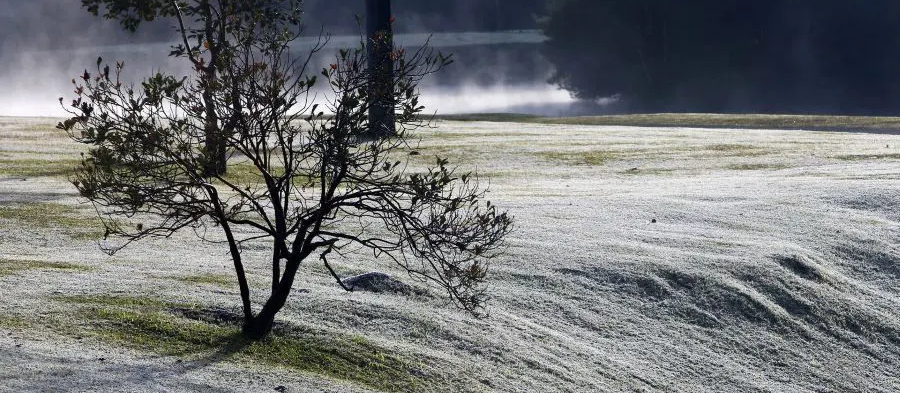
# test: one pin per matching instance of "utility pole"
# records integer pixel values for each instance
(380, 48)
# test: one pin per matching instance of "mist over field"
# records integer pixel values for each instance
(505, 75)
(494, 71)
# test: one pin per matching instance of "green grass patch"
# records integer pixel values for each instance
(729, 147)
(158, 331)
(591, 158)
(245, 173)
(427, 155)
(43, 215)
(494, 117)
(30, 131)
(734, 150)
(37, 168)
(865, 157)
(207, 279)
(350, 358)
(165, 328)
(14, 323)
(447, 135)
(648, 171)
(756, 167)
(118, 301)
(701, 120)
(9, 267)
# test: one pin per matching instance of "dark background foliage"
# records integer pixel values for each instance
(767, 56)
(834, 56)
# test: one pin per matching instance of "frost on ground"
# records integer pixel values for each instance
(645, 259)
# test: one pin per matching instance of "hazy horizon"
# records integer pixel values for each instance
(495, 71)
(34, 80)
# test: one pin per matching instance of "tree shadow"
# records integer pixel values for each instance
(233, 344)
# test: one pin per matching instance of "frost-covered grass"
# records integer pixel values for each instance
(33, 147)
(645, 259)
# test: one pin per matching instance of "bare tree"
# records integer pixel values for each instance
(317, 185)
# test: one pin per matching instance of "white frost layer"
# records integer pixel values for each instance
(773, 265)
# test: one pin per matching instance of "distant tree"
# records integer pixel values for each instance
(647, 52)
(309, 183)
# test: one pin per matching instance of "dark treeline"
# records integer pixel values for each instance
(814, 56)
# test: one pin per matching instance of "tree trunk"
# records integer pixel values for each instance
(215, 138)
(379, 48)
(260, 326)
(276, 268)
(235, 253)
(215, 148)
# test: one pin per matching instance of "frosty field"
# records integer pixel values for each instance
(663, 259)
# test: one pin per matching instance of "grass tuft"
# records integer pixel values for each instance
(590, 158)
(736, 150)
(863, 157)
(350, 358)
(703, 120)
(245, 173)
(54, 216)
(756, 167)
(115, 301)
(210, 279)
(26, 168)
(157, 331)
(637, 171)
(493, 117)
(10, 267)
(730, 147)
(14, 323)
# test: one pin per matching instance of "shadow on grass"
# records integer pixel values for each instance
(207, 336)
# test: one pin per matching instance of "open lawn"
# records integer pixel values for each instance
(660, 258)
(705, 120)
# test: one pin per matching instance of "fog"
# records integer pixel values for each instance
(494, 71)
